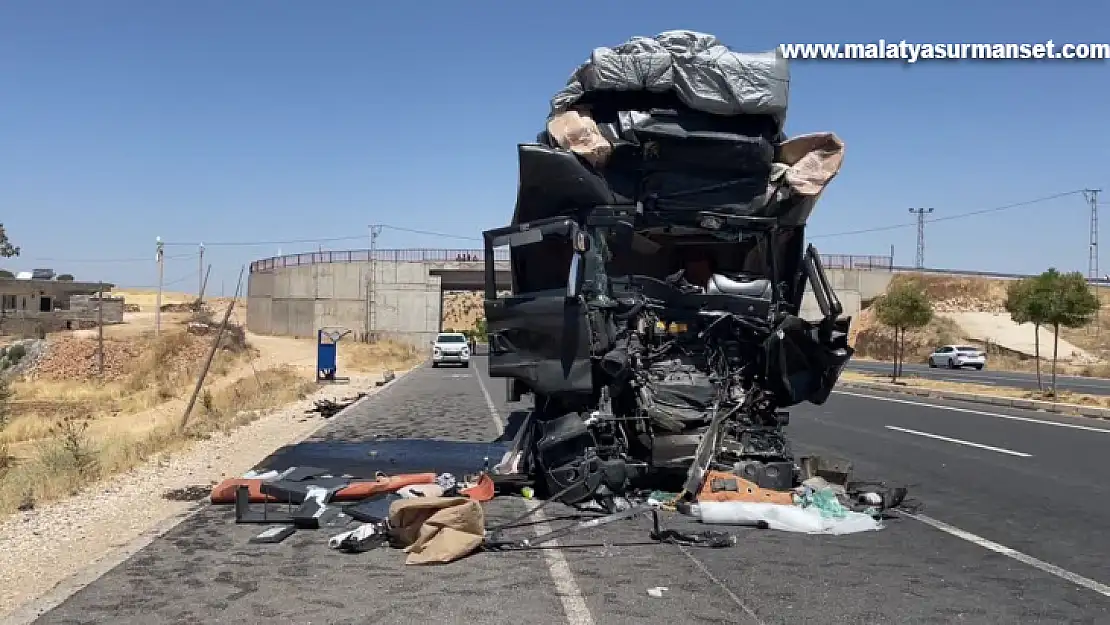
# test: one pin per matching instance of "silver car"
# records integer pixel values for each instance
(451, 347)
(958, 356)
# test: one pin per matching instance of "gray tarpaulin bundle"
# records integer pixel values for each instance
(704, 74)
(677, 123)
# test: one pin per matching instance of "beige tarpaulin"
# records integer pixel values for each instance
(437, 530)
(809, 162)
(576, 131)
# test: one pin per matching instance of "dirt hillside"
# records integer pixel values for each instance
(956, 298)
(461, 309)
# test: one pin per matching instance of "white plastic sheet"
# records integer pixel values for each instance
(785, 518)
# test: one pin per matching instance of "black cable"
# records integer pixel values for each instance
(323, 240)
(913, 224)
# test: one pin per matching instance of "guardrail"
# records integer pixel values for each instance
(831, 261)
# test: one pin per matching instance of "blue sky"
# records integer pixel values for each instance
(274, 121)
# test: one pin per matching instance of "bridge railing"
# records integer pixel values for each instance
(831, 261)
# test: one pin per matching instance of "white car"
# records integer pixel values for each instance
(958, 356)
(450, 347)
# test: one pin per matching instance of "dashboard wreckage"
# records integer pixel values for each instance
(659, 266)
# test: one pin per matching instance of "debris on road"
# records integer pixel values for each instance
(328, 408)
(431, 503)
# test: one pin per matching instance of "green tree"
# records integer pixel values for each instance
(1068, 302)
(4, 273)
(65, 277)
(904, 306)
(480, 327)
(7, 250)
(1027, 303)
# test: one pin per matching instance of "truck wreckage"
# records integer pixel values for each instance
(658, 271)
(655, 320)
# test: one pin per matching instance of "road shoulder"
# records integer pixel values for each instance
(48, 550)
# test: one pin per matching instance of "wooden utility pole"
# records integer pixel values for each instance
(100, 329)
(200, 274)
(161, 257)
(204, 283)
(211, 354)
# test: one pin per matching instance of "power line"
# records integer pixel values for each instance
(189, 276)
(106, 260)
(913, 224)
(259, 243)
(325, 239)
(433, 234)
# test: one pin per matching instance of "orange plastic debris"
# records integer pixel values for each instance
(224, 492)
(384, 484)
(721, 486)
(482, 491)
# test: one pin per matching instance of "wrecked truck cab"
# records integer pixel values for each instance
(658, 266)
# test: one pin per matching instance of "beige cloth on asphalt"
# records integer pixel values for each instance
(437, 530)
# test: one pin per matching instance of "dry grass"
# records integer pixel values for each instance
(146, 300)
(462, 310)
(876, 341)
(374, 357)
(1095, 337)
(959, 294)
(164, 368)
(76, 455)
(1063, 397)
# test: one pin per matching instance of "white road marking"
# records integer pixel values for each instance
(960, 442)
(1041, 565)
(574, 603)
(1059, 424)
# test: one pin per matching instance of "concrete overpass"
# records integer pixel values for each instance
(399, 293)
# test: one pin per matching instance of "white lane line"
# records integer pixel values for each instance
(1041, 565)
(574, 603)
(1059, 424)
(960, 442)
(973, 378)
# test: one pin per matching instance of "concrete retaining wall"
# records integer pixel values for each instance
(852, 286)
(300, 299)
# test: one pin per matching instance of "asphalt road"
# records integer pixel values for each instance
(1013, 379)
(1036, 489)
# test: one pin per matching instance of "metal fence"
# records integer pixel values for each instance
(831, 261)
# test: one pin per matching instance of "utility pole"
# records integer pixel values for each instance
(375, 230)
(161, 258)
(200, 273)
(920, 212)
(1091, 195)
(100, 329)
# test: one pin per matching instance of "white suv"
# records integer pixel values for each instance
(450, 347)
(957, 356)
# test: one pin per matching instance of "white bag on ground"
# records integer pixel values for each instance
(786, 518)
